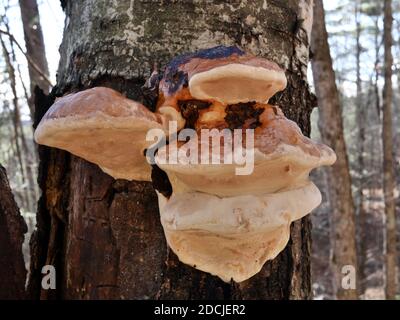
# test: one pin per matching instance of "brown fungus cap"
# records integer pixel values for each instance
(283, 159)
(101, 126)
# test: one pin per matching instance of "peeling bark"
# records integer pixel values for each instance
(110, 243)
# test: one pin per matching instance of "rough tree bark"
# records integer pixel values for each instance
(34, 47)
(388, 163)
(104, 235)
(12, 230)
(338, 177)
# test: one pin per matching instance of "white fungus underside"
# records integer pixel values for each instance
(294, 154)
(116, 144)
(233, 237)
(285, 167)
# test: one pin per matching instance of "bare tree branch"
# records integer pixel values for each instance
(30, 61)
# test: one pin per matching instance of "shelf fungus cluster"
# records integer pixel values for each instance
(214, 219)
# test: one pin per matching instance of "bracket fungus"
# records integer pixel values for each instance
(216, 220)
(102, 126)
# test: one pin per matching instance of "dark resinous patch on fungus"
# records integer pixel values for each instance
(160, 181)
(243, 115)
(190, 110)
(176, 78)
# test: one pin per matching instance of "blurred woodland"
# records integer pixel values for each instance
(369, 103)
(357, 82)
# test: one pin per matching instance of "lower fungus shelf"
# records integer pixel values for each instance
(233, 237)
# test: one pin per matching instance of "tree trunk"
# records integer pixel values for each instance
(34, 47)
(24, 154)
(376, 65)
(361, 119)
(12, 230)
(104, 235)
(331, 128)
(388, 163)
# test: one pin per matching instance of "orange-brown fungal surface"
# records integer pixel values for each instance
(226, 75)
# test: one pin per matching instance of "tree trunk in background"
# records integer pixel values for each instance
(24, 154)
(331, 128)
(361, 123)
(104, 236)
(377, 43)
(34, 47)
(388, 163)
(12, 229)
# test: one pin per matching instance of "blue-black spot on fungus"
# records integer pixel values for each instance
(175, 78)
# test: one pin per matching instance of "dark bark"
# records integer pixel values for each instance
(12, 230)
(104, 235)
